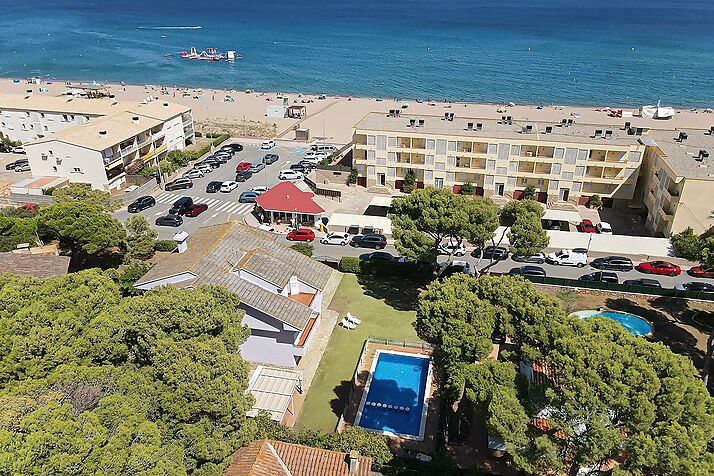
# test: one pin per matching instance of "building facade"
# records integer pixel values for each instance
(563, 162)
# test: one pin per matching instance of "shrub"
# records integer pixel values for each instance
(164, 245)
(409, 183)
(304, 248)
(410, 270)
(150, 171)
(198, 134)
(467, 189)
(595, 201)
(349, 264)
(687, 245)
(529, 193)
(179, 157)
(167, 167)
(352, 179)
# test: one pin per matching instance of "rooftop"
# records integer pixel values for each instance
(215, 251)
(275, 458)
(39, 266)
(286, 197)
(680, 155)
(62, 104)
(272, 389)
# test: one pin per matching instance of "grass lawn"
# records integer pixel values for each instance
(387, 309)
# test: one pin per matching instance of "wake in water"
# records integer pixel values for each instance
(169, 27)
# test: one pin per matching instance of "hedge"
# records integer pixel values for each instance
(164, 245)
(409, 270)
(218, 140)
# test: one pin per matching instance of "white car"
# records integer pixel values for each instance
(259, 189)
(19, 150)
(568, 258)
(604, 228)
(131, 188)
(458, 249)
(315, 156)
(193, 174)
(266, 227)
(290, 175)
(204, 168)
(267, 144)
(229, 186)
(335, 238)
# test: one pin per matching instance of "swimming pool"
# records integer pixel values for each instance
(396, 396)
(634, 325)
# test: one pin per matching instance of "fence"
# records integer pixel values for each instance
(144, 189)
(624, 288)
(325, 192)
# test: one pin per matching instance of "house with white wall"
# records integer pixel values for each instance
(280, 289)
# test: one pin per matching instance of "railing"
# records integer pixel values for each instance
(188, 133)
(128, 149)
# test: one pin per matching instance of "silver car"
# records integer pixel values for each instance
(193, 174)
(257, 167)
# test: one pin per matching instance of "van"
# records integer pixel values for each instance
(326, 148)
(180, 206)
(568, 258)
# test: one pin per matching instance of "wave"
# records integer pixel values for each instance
(169, 27)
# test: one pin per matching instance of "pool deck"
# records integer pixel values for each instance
(400, 446)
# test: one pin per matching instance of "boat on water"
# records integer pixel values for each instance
(209, 54)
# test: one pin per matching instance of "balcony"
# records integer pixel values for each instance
(129, 149)
(672, 192)
(143, 142)
(153, 153)
(188, 133)
(187, 120)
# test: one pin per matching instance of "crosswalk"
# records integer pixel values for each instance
(214, 204)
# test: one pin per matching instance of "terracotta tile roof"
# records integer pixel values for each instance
(39, 266)
(544, 425)
(269, 457)
(286, 197)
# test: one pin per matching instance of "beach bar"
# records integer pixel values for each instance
(285, 203)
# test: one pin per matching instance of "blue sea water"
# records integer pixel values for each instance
(398, 380)
(605, 52)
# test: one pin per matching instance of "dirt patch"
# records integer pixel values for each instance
(259, 129)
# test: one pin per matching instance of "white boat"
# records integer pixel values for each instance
(657, 112)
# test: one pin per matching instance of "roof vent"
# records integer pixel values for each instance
(548, 129)
(711, 131)
(598, 133)
(446, 116)
(628, 124)
(102, 133)
(703, 154)
(451, 116)
(571, 122)
(527, 129)
(639, 131)
(135, 119)
(421, 122)
(479, 126)
(608, 134)
(412, 122)
(166, 104)
(509, 120)
(469, 126)
(682, 136)
(563, 122)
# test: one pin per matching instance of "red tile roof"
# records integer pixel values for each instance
(286, 197)
(269, 457)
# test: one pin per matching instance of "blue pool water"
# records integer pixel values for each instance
(633, 324)
(398, 380)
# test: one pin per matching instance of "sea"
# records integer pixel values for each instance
(573, 52)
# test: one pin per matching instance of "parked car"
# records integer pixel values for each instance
(213, 187)
(696, 286)
(370, 240)
(212, 161)
(653, 283)
(141, 203)
(701, 272)
(243, 175)
(300, 168)
(22, 168)
(604, 228)
(193, 174)
(180, 206)
(131, 188)
(614, 263)
(574, 257)
(229, 149)
(169, 220)
(289, 175)
(235, 146)
(195, 209)
(497, 253)
(586, 226)
(257, 167)
(17, 163)
(204, 168)
(19, 150)
(659, 267)
(259, 189)
(178, 184)
(335, 238)
(315, 156)
(228, 186)
(377, 256)
(222, 158)
(535, 271)
(325, 148)
(267, 144)
(458, 249)
(270, 159)
(601, 276)
(301, 234)
(243, 166)
(248, 197)
(456, 266)
(266, 227)
(538, 258)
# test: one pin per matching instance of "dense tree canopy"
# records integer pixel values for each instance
(696, 248)
(92, 383)
(141, 238)
(83, 192)
(526, 234)
(606, 391)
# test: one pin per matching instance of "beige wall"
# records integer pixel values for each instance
(695, 207)
(66, 160)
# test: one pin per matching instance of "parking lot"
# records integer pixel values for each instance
(8, 177)
(222, 207)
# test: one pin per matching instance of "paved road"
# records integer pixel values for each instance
(222, 207)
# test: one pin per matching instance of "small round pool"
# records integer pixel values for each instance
(634, 324)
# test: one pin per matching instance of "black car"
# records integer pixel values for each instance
(653, 283)
(308, 165)
(615, 263)
(180, 206)
(141, 203)
(300, 168)
(377, 255)
(370, 240)
(270, 159)
(235, 146)
(228, 149)
(221, 158)
(179, 184)
(169, 220)
(535, 271)
(498, 253)
(243, 175)
(601, 276)
(248, 197)
(212, 161)
(696, 287)
(213, 187)
(17, 163)
(538, 258)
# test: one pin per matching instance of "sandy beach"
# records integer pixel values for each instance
(330, 118)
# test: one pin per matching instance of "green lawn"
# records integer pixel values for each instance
(387, 309)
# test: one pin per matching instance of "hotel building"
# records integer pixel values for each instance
(93, 140)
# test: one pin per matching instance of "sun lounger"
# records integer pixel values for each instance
(348, 325)
(353, 319)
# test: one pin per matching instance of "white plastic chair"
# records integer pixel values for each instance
(353, 319)
(348, 325)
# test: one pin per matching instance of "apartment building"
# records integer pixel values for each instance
(678, 181)
(94, 140)
(564, 161)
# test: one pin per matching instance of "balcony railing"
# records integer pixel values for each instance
(188, 133)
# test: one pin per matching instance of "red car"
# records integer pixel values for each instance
(587, 227)
(301, 234)
(243, 166)
(659, 267)
(702, 272)
(196, 209)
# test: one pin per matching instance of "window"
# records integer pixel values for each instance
(451, 161)
(449, 176)
(501, 170)
(629, 172)
(583, 154)
(515, 150)
(503, 150)
(577, 186)
(441, 146)
(381, 161)
(555, 169)
(429, 160)
(381, 142)
(371, 140)
(440, 166)
(490, 164)
(392, 141)
(492, 149)
(391, 172)
(452, 145)
(488, 180)
(370, 170)
(430, 144)
(540, 181)
(513, 166)
(392, 156)
(428, 175)
(553, 185)
(370, 155)
(567, 175)
(633, 156)
(558, 154)
(579, 171)
(511, 181)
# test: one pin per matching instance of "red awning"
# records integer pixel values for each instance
(286, 197)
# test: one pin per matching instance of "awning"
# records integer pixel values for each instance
(272, 389)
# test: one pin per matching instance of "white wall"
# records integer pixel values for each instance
(271, 341)
(78, 164)
(27, 126)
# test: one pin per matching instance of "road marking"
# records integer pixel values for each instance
(158, 213)
(224, 207)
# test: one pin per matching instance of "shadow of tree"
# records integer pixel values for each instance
(341, 399)
(666, 328)
(401, 294)
(104, 260)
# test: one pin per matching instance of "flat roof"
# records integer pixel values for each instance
(63, 104)
(680, 155)
(495, 129)
(272, 389)
(348, 219)
(383, 201)
(162, 110)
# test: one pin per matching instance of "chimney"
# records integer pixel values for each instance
(682, 136)
(479, 126)
(598, 133)
(102, 134)
(412, 122)
(469, 126)
(421, 122)
(180, 239)
(608, 134)
(354, 461)
(703, 154)
(548, 129)
(166, 104)
(711, 131)
(628, 124)
(135, 119)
